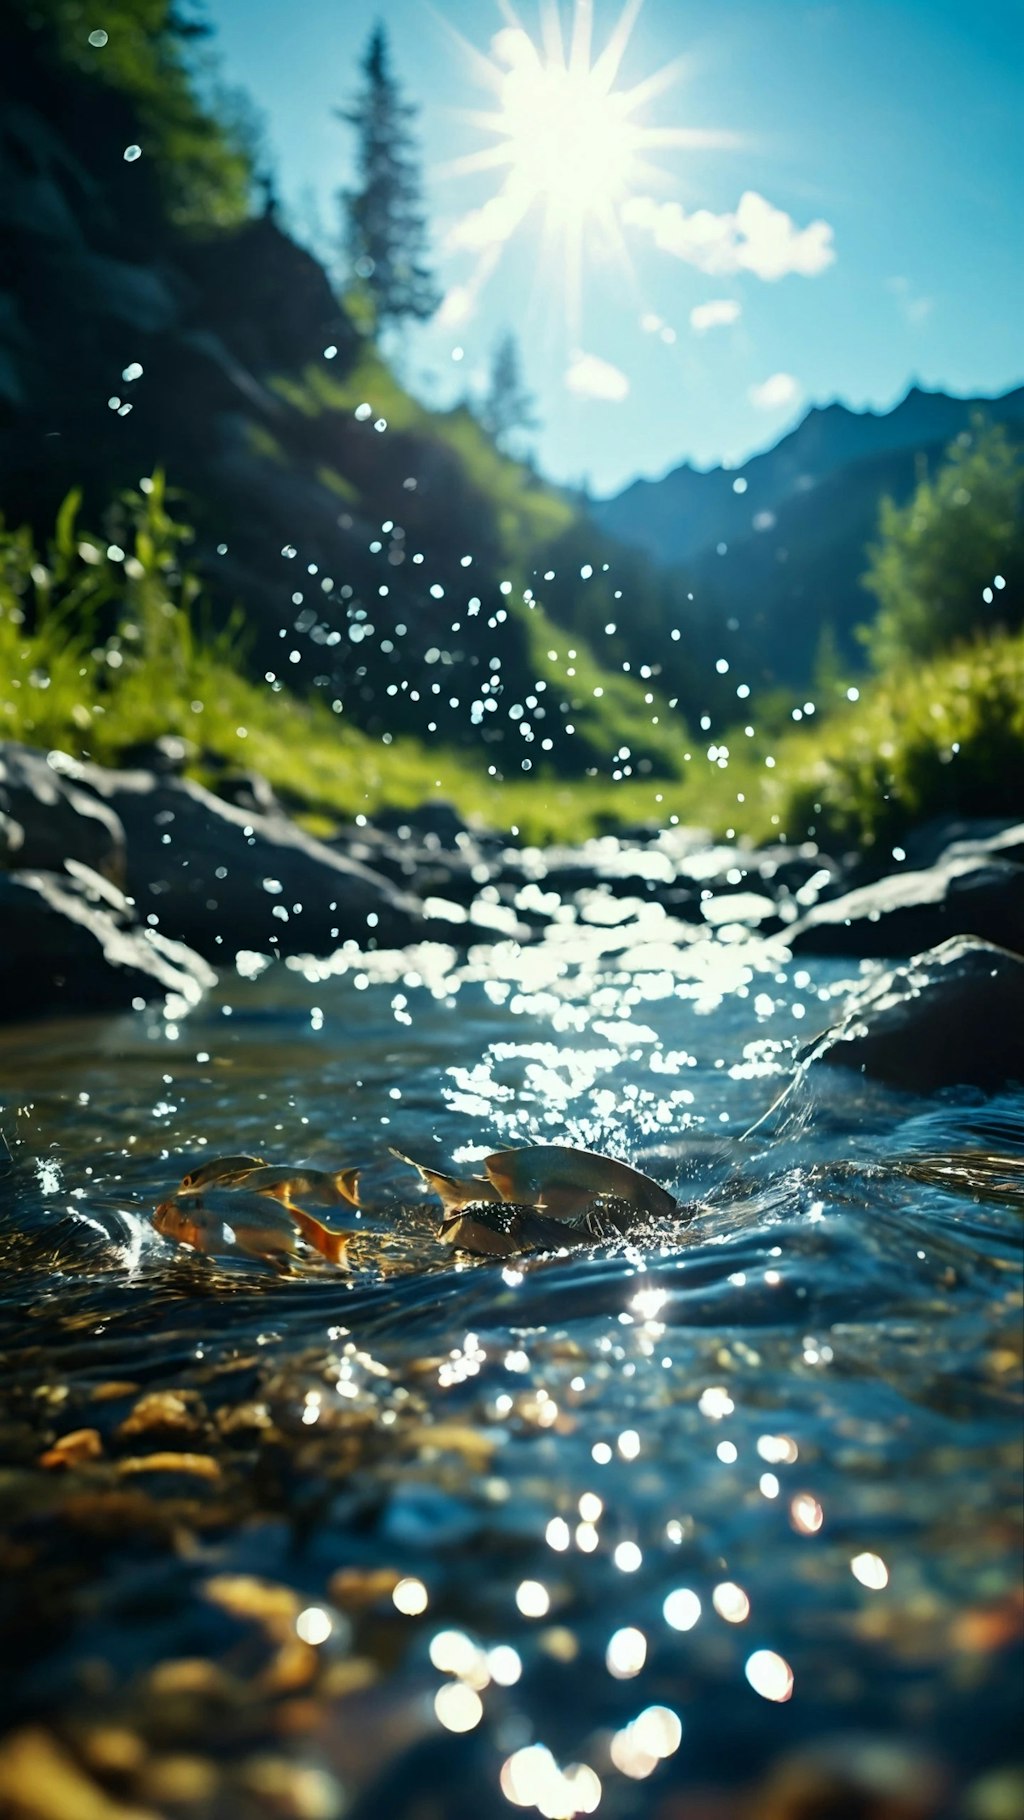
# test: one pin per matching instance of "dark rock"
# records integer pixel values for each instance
(169, 755)
(437, 817)
(248, 790)
(223, 878)
(70, 944)
(951, 1017)
(12, 840)
(956, 837)
(59, 821)
(1005, 841)
(910, 911)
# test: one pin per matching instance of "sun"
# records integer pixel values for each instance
(569, 146)
(565, 134)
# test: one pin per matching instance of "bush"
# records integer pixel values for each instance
(937, 558)
(945, 738)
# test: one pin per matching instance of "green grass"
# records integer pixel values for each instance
(528, 513)
(101, 646)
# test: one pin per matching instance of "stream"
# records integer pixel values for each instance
(655, 1527)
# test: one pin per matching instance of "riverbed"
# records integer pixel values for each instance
(646, 1528)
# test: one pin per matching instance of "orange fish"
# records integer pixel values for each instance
(218, 1224)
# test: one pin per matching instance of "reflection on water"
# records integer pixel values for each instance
(563, 1533)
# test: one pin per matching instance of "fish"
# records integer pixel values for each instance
(220, 1169)
(977, 1173)
(507, 1228)
(562, 1181)
(326, 1187)
(454, 1192)
(220, 1222)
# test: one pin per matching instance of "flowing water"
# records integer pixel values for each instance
(628, 1529)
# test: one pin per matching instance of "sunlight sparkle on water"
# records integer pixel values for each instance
(533, 1599)
(626, 1653)
(681, 1609)
(769, 1675)
(639, 1747)
(504, 1665)
(458, 1708)
(871, 1571)
(314, 1624)
(532, 1778)
(731, 1602)
(806, 1514)
(410, 1598)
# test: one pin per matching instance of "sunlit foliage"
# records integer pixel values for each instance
(148, 54)
(951, 562)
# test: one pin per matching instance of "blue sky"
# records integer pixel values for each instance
(877, 144)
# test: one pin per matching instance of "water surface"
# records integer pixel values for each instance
(580, 1532)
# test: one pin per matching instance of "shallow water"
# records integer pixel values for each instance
(756, 1477)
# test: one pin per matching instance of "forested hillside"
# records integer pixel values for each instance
(390, 556)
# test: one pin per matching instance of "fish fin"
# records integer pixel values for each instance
(331, 1245)
(501, 1177)
(346, 1181)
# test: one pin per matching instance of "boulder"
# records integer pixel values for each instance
(951, 1017)
(437, 816)
(58, 820)
(222, 878)
(12, 839)
(69, 943)
(911, 911)
(955, 836)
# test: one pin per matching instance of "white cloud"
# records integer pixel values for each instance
(488, 226)
(776, 393)
(714, 315)
(457, 307)
(756, 238)
(588, 376)
(915, 308)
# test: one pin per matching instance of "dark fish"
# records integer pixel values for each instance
(506, 1229)
(562, 1181)
(220, 1169)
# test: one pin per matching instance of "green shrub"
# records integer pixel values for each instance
(936, 558)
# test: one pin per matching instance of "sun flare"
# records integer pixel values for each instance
(571, 147)
(568, 138)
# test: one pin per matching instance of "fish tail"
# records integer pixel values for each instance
(331, 1245)
(451, 1192)
(428, 1176)
(346, 1181)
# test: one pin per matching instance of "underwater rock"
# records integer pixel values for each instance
(910, 911)
(70, 944)
(224, 878)
(953, 1016)
(57, 820)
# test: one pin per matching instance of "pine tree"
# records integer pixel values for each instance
(385, 227)
(508, 408)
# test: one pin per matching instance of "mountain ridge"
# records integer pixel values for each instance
(777, 548)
